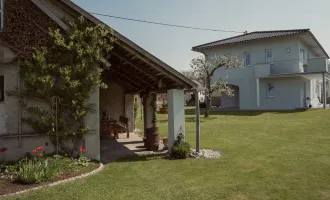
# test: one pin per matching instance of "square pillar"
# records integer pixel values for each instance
(176, 121)
(92, 119)
(129, 111)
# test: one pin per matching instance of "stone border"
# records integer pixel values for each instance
(100, 168)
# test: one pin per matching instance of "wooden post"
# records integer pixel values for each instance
(324, 91)
(197, 121)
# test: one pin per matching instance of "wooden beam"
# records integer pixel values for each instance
(128, 79)
(135, 75)
(126, 85)
(131, 64)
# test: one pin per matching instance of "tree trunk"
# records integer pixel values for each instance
(208, 96)
(208, 106)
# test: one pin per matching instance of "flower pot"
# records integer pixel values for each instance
(152, 141)
(165, 142)
(163, 111)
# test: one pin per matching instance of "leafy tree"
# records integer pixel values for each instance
(66, 69)
(204, 69)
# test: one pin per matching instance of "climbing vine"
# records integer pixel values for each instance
(67, 69)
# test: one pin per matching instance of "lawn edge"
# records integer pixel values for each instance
(100, 168)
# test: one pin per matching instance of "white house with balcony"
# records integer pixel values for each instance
(283, 70)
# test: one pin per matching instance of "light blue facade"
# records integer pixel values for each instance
(283, 82)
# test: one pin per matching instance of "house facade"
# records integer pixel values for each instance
(133, 71)
(283, 70)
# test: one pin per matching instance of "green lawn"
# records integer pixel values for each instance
(265, 156)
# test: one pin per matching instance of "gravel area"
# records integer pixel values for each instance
(204, 153)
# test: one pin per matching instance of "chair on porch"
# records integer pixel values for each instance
(122, 125)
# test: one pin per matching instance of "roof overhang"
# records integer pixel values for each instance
(145, 66)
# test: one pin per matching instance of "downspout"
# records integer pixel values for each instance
(20, 142)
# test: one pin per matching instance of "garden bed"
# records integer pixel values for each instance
(68, 170)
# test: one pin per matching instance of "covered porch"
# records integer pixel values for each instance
(135, 72)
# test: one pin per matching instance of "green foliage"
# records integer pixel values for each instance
(82, 161)
(66, 69)
(136, 110)
(36, 170)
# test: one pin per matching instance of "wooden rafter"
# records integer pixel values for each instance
(134, 66)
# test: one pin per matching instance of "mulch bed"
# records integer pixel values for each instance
(8, 187)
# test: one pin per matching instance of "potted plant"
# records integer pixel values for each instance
(305, 67)
(163, 109)
(165, 142)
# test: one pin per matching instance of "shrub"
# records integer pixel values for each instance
(181, 150)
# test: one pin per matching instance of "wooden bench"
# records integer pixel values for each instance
(122, 125)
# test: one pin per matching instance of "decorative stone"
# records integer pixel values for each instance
(204, 153)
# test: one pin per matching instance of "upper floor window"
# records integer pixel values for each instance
(269, 56)
(303, 55)
(2, 89)
(1, 14)
(247, 59)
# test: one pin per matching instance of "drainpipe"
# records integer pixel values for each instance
(324, 91)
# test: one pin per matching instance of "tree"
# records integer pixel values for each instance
(66, 69)
(204, 69)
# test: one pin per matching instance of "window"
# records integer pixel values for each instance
(2, 89)
(270, 90)
(303, 55)
(1, 14)
(247, 59)
(269, 56)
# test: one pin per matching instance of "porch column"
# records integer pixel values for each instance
(176, 122)
(147, 113)
(258, 92)
(324, 91)
(197, 121)
(129, 111)
(92, 138)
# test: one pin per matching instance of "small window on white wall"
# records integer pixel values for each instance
(269, 56)
(1, 14)
(2, 89)
(270, 90)
(247, 59)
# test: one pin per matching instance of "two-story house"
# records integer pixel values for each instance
(285, 69)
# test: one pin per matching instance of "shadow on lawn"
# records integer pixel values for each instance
(135, 158)
(191, 111)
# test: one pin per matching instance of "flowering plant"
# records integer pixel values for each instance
(82, 160)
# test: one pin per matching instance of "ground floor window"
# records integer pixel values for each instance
(2, 89)
(270, 90)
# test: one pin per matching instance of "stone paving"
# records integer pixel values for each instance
(112, 150)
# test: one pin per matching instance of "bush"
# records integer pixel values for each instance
(181, 150)
(36, 170)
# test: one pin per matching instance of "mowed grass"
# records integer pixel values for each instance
(265, 155)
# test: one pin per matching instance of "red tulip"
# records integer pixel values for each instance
(46, 144)
(3, 150)
(34, 151)
(39, 148)
(40, 154)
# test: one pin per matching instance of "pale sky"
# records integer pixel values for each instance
(173, 45)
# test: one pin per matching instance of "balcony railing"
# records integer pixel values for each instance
(312, 65)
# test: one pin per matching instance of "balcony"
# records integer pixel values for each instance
(312, 65)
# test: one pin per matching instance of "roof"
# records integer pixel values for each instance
(166, 69)
(258, 35)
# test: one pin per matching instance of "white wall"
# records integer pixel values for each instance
(284, 61)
